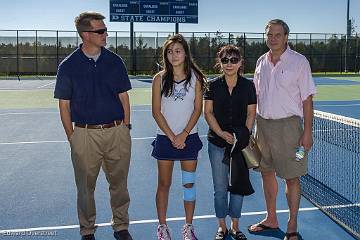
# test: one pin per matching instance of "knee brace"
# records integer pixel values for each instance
(189, 193)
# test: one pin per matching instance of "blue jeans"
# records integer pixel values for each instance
(220, 173)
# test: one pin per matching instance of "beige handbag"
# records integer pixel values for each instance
(252, 153)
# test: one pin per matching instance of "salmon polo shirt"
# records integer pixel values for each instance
(283, 87)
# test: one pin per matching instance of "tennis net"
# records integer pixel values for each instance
(333, 179)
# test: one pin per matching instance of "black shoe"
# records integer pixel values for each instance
(237, 235)
(88, 237)
(122, 235)
(220, 235)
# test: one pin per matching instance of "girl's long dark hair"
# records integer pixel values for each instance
(189, 64)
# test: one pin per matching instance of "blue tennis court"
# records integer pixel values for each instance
(38, 193)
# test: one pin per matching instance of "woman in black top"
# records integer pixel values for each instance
(230, 107)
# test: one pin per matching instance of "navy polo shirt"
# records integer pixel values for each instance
(92, 87)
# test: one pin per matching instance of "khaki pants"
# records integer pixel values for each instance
(278, 140)
(110, 149)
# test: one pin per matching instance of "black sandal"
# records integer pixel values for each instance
(262, 227)
(238, 235)
(220, 235)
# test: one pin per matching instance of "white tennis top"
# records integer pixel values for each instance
(178, 108)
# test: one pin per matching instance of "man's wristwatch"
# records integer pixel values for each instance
(129, 126)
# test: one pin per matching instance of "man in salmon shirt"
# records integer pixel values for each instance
(285, 89)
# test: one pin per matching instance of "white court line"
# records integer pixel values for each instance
(36, 142)
(7, 231)
(45, 85)
(39, 142)
(141, 110)
(134, 222)
(26, 113)
(15, 89)
(57, 112)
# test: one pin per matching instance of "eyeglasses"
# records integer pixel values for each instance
(233, 60)
(99, 31)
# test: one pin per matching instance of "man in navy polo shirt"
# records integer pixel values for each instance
(91, 86)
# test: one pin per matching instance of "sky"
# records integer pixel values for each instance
(303, 16)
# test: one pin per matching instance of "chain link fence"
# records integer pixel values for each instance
(39, 52)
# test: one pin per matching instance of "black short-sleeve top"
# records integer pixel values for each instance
(230, 110)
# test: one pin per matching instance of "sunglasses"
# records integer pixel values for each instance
(233, 60)
(99, 31)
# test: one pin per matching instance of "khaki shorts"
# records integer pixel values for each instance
(278, 140)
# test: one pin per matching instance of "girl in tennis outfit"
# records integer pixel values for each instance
(230, 105)
(176, 107)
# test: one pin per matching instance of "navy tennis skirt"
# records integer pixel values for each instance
(164, 150)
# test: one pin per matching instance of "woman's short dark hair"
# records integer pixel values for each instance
(229, 50)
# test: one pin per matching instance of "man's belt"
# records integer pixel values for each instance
(99, 126)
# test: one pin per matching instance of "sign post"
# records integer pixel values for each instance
(133, 56)
(176, 28)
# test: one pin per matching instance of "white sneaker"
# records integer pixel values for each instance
(188, 232)
(163, 232)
